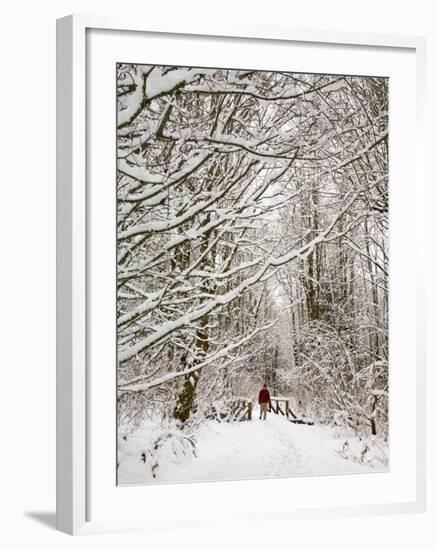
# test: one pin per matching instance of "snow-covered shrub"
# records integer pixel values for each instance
(219, 411)
(339, 385)
(371, 451)
(172, 445)
(154, 445)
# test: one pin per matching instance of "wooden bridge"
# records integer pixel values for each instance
(281, 405)
(242, 409)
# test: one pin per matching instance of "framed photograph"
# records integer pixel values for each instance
(240, 321)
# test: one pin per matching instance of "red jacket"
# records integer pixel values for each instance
(264, 396)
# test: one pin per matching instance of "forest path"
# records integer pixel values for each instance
(270, 448)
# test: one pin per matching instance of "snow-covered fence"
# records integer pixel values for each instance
(241, 409)
(281, 405)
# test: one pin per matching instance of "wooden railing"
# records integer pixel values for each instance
(241, 409)
(281, 405)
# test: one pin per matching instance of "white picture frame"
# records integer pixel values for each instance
(73, 376)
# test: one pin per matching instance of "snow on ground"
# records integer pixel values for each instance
(246, 450)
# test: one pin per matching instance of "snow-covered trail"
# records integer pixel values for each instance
(259, 449)
(270, 448)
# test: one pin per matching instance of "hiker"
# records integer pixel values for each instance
(264, 401)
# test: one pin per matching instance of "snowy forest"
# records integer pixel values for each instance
(252, 248)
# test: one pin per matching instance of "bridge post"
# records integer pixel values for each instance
(249, 410)
(286, 408)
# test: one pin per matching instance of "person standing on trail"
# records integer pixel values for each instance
(264, 401)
